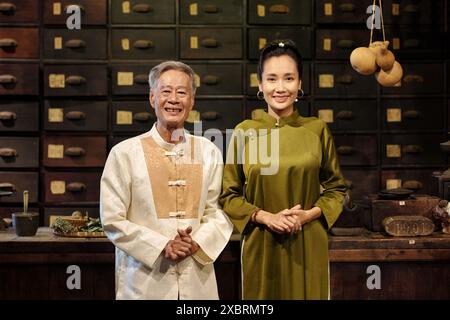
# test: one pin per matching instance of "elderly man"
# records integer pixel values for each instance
(159, 200)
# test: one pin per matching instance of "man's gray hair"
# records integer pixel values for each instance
(158, 70)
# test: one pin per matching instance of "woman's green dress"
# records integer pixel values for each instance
(283, 266)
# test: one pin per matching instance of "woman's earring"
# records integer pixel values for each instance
(299, 97)
(260, 95)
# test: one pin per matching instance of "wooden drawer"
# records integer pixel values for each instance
(216, 114)
(302, 107)
(13, 184)
(211, 43)
(19, 43)
(211, 12)
(142, 11)
(117, 139)
(218, 79)
(258, 37)
(19, 116)
(342, 80)
(362, 182)
(279, 12)
(19, 79)
(19, 11)
(92, 12)
(143, 44)
(419, 78)
(67, 151)
(418, 180)
(341, 11)
(18, 152)
(76, 115)
(416, 149)
(412, 114)
(347, 115)
(339, 44)
(356, 150)
(69, 187)
(6, 212)
(413, 12)
(75, 80)
(132, 116)
(93, 212)
(75, 44)
(130, 79)
(252, 79)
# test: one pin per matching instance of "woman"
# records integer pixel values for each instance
(282, 215)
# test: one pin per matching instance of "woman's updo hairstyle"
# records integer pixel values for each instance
(278, 48)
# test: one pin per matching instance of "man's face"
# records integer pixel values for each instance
(172, 98)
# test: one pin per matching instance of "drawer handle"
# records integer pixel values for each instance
(279, 8)
(142, 8)
(347, 7)
(75, 115)
(8, 43)
(210, 115)
(345, 44)
(143, 44)
(210, 8)
(411, 114)
(142, 116)
(412, 149)
(7, 189)
(74, 152)
(345, 79)
(210, 80)
(345, 115)
(413, 77)
(76, 187)
(412, 184)
(141, 78)
(8, 152)
(75, 80)
(210, 43)
(345, 150)
(7, 8)
(75, 44)
(8, 115)
(412, 8)
(7, 79)
(411, 43)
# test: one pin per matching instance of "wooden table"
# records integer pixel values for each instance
(409, 268)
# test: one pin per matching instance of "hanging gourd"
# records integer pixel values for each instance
(377, 58)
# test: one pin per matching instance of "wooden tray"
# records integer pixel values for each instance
(81, 234)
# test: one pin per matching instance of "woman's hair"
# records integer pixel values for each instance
(278, 48)
(158, 70)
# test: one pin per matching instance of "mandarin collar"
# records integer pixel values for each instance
(289, 120)
(167, 145)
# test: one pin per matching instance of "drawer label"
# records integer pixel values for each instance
(395, 9)
(326, 115)
(394, 115)
(393, 151)
(327, 44)
(261, 10)
(253, 80)
(194, 42)
(328, 9)
(56, 8)
(262, 42)
(193, 9)
(125, 78)
(396, 43)
(393, 183)
(326, 81)
(197, 80)
(58, 187)
(194, 116)
(57, 81)
(126, 7)
(57, 43)
(55, 151)
(124, 117)
(55, 115)
(125, 43)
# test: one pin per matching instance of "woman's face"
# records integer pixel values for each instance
(280, 83)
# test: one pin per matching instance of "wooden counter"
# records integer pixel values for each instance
(409, 268)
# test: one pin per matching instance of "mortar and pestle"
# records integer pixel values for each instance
(25, 223)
